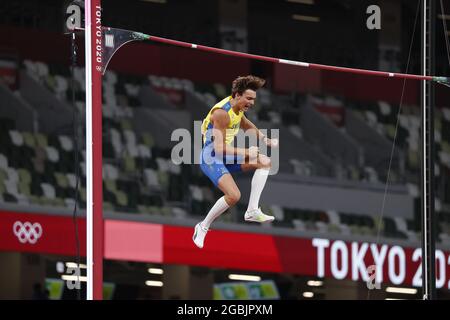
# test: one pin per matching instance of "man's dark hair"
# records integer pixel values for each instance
(240, 84)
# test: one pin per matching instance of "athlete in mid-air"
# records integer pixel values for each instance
(219, 128)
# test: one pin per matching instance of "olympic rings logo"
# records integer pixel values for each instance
(27, 232)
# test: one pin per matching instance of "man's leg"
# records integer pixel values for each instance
(262, 168)
(231, 196)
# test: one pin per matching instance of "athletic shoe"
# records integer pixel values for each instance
(256, 215)
(199, 235)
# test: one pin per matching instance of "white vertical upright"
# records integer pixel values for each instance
(89, 151)
(424, 152)
(428, 147)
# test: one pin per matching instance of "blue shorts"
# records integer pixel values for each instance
(214, 167)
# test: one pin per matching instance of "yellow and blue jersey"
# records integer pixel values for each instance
(213, 166)
(233, 126)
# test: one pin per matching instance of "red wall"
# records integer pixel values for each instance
(37, 45)
(370, 88)
(143, 59)
(149, 242)
(288, 78)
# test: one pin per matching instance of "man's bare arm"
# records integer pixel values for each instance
(248, 125)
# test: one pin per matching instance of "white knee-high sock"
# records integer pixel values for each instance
(258, 182)
(218, 208)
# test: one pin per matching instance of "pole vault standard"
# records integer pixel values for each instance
(429, 14)
(94, 178)
(101, 44)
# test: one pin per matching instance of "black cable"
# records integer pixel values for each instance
(77, 170)
(399, 112)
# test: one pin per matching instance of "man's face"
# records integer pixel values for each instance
(246, 100)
